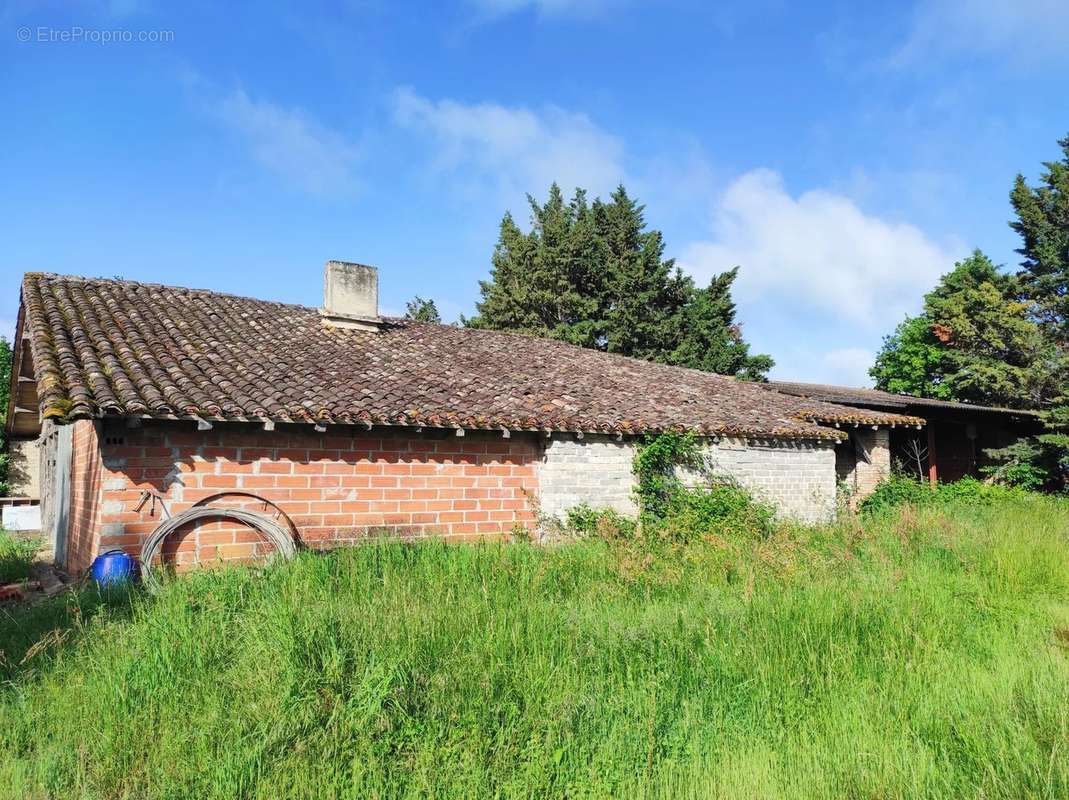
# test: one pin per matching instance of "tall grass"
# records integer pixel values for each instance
(923, 655)
(16, 557)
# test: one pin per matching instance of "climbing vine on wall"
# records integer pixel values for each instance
(655, 467)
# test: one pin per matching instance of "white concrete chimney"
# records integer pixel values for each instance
(350, 296)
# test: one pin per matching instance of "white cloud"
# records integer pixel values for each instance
(1025, 30)
(816, 252)
(291, 144)
(518, 149)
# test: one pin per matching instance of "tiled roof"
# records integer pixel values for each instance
(123, 348)
(878, 399)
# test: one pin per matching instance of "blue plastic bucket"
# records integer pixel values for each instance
(113, 568)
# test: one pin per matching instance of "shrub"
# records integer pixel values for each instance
(605, 523)
(672, 511)
(717, 509)
(900, 490)
(1026, 463)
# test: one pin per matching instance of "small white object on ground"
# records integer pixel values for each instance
(22, 518)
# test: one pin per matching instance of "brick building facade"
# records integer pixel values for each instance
(150, 399)
(341, 487)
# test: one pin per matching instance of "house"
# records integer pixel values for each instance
(952, 444)
(146, 399)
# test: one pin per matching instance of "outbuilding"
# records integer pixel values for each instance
(143, 400)
(952, 445)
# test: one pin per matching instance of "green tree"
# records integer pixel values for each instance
(711, 339)
(547, 282)
(975, 341)
(422, 310)
(646, 294)
(592, 274)
(912, 361)
(1043, 225)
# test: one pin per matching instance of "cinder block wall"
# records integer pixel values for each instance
(798, 478)
(595, 470)
(338, 487)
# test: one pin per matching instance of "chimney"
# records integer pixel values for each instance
(350, 296)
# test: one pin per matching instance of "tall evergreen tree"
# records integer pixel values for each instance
(547, 282)
(711, 339)
(974, 341)
(1043, 224)
(593, 275)
(647, 294)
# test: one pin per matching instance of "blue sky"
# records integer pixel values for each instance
(843, 153)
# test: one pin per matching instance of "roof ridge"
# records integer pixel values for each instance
(154, 285)
(393, 320)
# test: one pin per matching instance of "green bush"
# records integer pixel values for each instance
(1027, 463)
(656, 464)
(900, 490)
(689, 514)
(723, 509)
(582, 520)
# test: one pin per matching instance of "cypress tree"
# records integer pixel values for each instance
(594, 275)
(1043, 225)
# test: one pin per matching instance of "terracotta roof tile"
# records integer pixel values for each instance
(119, 347)
(878, 399)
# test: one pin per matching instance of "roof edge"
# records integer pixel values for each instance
(817, 433)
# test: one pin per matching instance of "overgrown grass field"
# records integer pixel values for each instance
(920, 653)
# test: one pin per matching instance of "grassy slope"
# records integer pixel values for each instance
(917, 657)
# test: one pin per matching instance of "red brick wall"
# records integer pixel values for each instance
(338, 487)
(85, 490)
